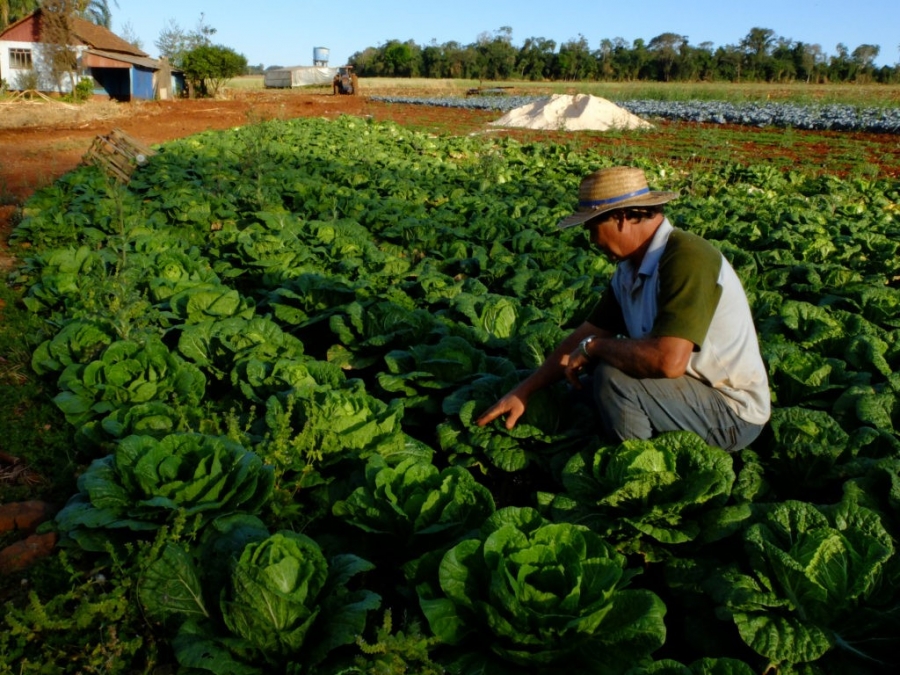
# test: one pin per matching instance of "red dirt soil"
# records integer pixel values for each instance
(45, 146)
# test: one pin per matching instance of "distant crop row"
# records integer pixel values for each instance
(830, 117)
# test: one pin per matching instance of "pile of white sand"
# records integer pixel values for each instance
(577, 112)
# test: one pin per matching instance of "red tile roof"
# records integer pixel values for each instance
(86, 32)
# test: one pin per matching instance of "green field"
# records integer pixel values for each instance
(261, 360)
(852, 94)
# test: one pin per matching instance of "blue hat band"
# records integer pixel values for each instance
(612, 200)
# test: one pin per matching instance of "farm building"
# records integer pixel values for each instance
(299, 76)
(118, 69)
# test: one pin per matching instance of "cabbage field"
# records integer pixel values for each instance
(271, 346)
(819, 117)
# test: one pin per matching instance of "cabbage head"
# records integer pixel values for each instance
(415, 503)
(543, 595)
(282, 586)
(147, 481)
(818, 581)
(658, 488)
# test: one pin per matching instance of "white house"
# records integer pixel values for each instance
(118, 69)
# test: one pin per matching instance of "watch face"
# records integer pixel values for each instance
(584, 344)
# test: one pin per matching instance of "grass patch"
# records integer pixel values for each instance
(35, 431)
(870, 95)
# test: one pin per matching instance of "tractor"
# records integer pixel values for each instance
(345, 81)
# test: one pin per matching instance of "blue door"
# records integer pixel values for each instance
(141, 83)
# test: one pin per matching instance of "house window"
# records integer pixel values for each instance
(19, 59)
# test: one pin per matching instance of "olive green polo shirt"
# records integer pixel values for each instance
(685, 288)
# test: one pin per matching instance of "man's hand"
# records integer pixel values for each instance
(511, 405)
(555, 366)
(575, 363)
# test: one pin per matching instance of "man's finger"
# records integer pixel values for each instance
(488, 417)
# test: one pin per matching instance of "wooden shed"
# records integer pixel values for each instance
(118, 69)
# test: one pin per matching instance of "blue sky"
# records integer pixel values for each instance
(284, 32)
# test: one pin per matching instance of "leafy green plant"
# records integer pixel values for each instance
(815, 581)
(542, 595)
(421, 372)
(395, 653)
(657, 489)
(234, 285)
(95, 396)
(83, 90)
(279, 588)
(706, 666)
(78, 619)
(551, 423)
(147, 482)
(34, 430)
(283, 603)
(317, 427)
(416, 505)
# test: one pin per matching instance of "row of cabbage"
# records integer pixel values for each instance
(822, 117)
(290, 327)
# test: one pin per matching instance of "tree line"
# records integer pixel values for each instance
(761, 56)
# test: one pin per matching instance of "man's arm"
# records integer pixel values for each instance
(553, 368)
(659, 357)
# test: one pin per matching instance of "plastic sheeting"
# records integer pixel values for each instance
(299, 76)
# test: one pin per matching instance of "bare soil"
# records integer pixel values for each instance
(42, 140)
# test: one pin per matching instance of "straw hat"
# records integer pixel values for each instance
(616, 188)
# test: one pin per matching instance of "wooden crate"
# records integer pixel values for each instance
(118, 154)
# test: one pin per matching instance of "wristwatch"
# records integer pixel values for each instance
(583, 345)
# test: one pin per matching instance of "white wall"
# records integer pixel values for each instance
(45, 82)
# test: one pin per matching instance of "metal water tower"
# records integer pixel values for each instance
(320, 56)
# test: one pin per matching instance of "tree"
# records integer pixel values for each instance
(460, 60)
(13, 10)
(535, 58)
(807, 61)
(496, 57)
(398, 58)
(365, 63)
(864, 57)
(757, 45)
(841, 67)
(59, 58)
(575, 61)
(638, 59)
(433, 60)
(208, 67)
(782, 66)
(126, 32)
(174, 42)
(697, 63)
(95, 11)
(667, 48)
(604, 56)
(729, 62)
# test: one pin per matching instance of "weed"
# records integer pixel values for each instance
(397, 653)
(34, 430)
(78, 615)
